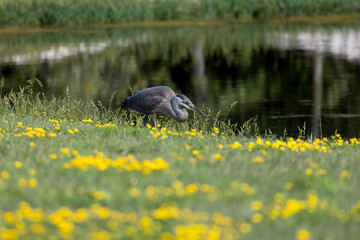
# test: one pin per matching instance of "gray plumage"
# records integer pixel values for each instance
(161, 99)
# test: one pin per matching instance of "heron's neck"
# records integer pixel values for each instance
(179, 115)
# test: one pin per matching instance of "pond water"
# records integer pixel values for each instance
(286, 75)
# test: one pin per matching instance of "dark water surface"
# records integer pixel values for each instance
(285, 74)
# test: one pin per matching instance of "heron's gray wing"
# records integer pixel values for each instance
(149, 99)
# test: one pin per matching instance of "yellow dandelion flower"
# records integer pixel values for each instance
(134, 192)
(71, 131)
(22, 182)
(218, 157)
(65, 150)
(52, 134)
(308, 171)
(258, 159)
(259, 142)
(245, 228)
(288, 186)
(257, 218)
(195, 152)
(303, 234)
(192, 160)
(256, 205)
(98, 195)
(76, 130)
(53, 156)
(32, 172)
(168, 236)
(33, 182)
(37, 228)
(321, 172)
(112, 225)
(5, 174)
(9, 217)
(9, 234)
(345, 174)
(32, 144)
(100, 235)
(18, 164)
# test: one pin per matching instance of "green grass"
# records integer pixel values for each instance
(217, 183)
(74, 13)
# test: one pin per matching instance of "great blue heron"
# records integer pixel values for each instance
(160, 99)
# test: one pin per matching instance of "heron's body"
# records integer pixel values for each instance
(160, 99)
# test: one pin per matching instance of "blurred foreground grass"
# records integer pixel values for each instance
(67, 172)
(75, 13)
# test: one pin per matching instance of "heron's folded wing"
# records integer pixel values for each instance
(145, 102)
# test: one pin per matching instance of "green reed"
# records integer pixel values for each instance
(75, 13)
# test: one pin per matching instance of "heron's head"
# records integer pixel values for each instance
(184, 101)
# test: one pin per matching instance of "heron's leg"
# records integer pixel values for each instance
(154, 118)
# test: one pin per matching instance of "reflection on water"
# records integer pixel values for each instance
(286, 75)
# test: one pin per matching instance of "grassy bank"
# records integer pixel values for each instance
(67, 172)
(73, 13)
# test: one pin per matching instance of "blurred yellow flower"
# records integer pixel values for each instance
(257, 218)
(303, 234)
(195, 152)
(37, 228)
(134, 192)
(258, 159)
(345, 174)
(22, 182)
(18, 164)
(65, 150)
(256, 205)
(33, 182)
(5, 174)
(245, 228)
(288, 186)
(9, 234)
(98, 195)
(218, 157)
(103, 235)
(52, 134)
(32, 172)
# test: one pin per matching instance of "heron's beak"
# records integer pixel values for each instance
(195, 109)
